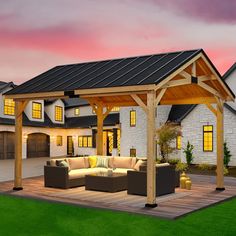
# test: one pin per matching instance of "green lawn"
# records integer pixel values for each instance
(32, 217)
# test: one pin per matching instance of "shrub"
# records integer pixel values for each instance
(205, 166)
(189, 153)
(158, 160)
(181, 166)
(166, 134)
(226, 171)
(174, 161)
(227, 155)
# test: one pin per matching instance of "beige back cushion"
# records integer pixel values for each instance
(133, 162)
(86, 162)
(138, 164)
(76, 163)
(111, 162)
(122, 162)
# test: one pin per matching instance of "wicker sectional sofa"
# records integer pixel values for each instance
(74, 175)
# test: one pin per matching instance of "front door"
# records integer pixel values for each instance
(70, 146)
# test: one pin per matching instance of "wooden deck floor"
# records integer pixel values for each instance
(170, 206)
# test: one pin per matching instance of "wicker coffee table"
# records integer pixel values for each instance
(106, 183)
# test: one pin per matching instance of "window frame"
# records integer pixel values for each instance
(130, 120)
(85, 139)
(40, 111)
(115, 109)
(203, 138)
(58, 107)
(9, 107)
(59, 142)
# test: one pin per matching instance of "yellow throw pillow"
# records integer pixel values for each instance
(93, 161)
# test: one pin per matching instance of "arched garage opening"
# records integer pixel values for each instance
(38, 145)
(7, 145)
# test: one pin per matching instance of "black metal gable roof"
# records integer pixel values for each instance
(229, 71)
(141, 70)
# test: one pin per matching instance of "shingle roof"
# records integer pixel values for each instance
(4, 85)
(141, 70)
(72, 122)
(229, 71)
(75, 102)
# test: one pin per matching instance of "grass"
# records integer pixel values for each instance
(22, 217)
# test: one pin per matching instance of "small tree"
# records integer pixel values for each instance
(227, 155)
(166, 134)
(189, 153)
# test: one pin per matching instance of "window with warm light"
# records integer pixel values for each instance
(59, 140)
(178, 142)
(37, 110)
(85, 141)
(133, 152)
(132, 118)
(115, 109)
(208, 138)
(58, 113)
(77, 111)
(9, 107)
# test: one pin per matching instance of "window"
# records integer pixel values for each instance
(85, 141)
(132, 118)
(37, 110)
(178, 142)
(59, 140)
(58, 113)
(208, 138)
(115, 109)
(77, 111)
(132, 152)
(9, 107)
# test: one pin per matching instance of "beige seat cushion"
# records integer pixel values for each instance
(138, 164)
(162, 164)
(121, 170)
(122, 162)
(79, 173)
(76, 163)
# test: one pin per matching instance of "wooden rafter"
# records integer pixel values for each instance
(139, 101)
(209, 89)
(211, 108)
(108, 110)
(159, 96)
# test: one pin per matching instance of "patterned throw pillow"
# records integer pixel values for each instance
(64, 164)
(102, 162)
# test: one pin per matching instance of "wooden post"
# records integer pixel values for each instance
(99, 130)
(19, 108)
(220, 146)
(151, 146)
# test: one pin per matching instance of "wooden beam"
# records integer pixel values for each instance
(209, 89)
(19, 108)
(151, 145)
(211, 108)
(112, 94)
(159, 96)
(139, 102)
(108, 110)
(219, 103)
(179, 82)
(204, 78)
(220, 148)
(185, 74)
(197, 100)
(99, 130)
(194, 69)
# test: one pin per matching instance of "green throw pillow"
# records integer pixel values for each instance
(102, 162)
(64, 164)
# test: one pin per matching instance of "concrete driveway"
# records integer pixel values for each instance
(31, 167)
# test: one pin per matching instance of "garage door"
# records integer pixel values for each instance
(7, 145)
(38, 145)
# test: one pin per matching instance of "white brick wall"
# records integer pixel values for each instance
(192, 127)
(135, 137)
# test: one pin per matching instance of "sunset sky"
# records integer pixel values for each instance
(37, 35)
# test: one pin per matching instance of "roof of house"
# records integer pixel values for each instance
(71, 122)
(229, 71)
(140, 70)
(75, 102)
(4, 85)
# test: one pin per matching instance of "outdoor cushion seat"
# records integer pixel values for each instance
(121, 170)
(73, 174)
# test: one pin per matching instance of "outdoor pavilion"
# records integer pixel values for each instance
(186, 77)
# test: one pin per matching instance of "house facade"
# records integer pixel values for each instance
(68, 127)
